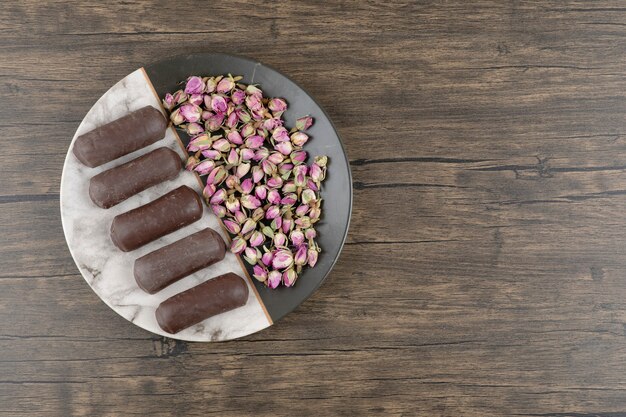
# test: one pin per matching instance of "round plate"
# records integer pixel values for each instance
(109, 271)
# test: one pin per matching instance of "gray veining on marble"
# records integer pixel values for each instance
(108, 270)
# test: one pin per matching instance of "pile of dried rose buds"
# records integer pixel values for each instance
(258, 180)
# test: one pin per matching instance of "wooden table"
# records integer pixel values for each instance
(484, 272)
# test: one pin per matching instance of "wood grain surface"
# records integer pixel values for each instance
(484, 273)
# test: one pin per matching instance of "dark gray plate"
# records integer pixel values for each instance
(337, 188)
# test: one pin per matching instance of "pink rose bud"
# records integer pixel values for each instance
(248, 226)
(272, 212)
(285, 168)
(299, 174)
(191, 163)
(232, 120)
(267, 257)
(194, 129)
(303, 222)
(206, 114)
(204, 167)
(282, 259)
(312, 257)
(275, 158)
(217, 176)
(220, 211)
(169, 102)
(280, 134)
(315, 213)
(233, 157)
(243, 115)
(280, 239)
(311, 184)
(254, 90)
(246, 154)
(254, 103)
(273, 123)
(273, 197)
(250, 201)
(196, 99)
(289, 199)
(254, 141)
(242, 170)
(301, 256)
(176, 117)
(298, 157)
(277, 105)
(234, 137)
(190, 112)
(232, 182)
(289, 187)
(268, 167)
(180, 97)
(232, 204)
(260, 191)
(321, 161)
(287, 225)
(257, 239)
(232, 227)
(316, 172)
(211, 154)
(208, 191)
(250, 255)
(194, 85)
(238, 245)
(277, 223)
(261, 154)
(289, 277)
(297, 237)
(308, 196)
(268, 231)
(211, 84)
(247, 186)
(302, 210)
(259, 273)
(275, 182)
(257, 174)
(273, 279)
(199, 143)
(304, 123)
(221, 145)
(225, 85)
(258, 214)
(240, 216)
(218, 104)
(214, 123)
(238, 96)
(299, 138)
(310, 233)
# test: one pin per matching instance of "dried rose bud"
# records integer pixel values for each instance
(311, 184)
(277, 223)
(301, 255)
(299, 174)
(196, 99)
(194, 129)
(232, 227)
(302, 210)
(321, 160)
(240, 216)
(211, 84)
(254, 103)
(289, 187)
(275, 158)
(180, 97)
(232, 120)
(233, 157)
(289, 277)
(243, 169)
(248, 226)
(206, 114)
(272, 212)
(254, 141)
(257, 239)
(257, 174)
(246, 154)
(275, 182)
(221, 145)
(214, 123)
(273, 197)
(234, 137)
(315, 213)
(266, 259)
(285, 169)
(299, 138)
(208, 190)
(260, 191)
(273, 123)
(204, 167)
(243, 115)
(304, 222)
(289, 199)
(259, 273)
(191, 163)
(273, 279)
(199, 143)
(220, 211)
(261, 154)
(258, 214)
(217, 176)
(247, 186)
(232, 182)
(218, 103)
(297, 237)
(298, 157)
(310, 233)
(251, 255)
(282, 259)
(312, 256)
(268, 167)
(254, 90)
(194, 85)
(176, 117)
(280, 134)
(225, 85)
(232, 204)
(268, 231)
(308, 196)
(262, 132)
(280, 239)
(304, 123)
(250, 202)
(190, 112)
(211, 154)
(169, 102)
(277, 105)
(287, 225)
(238, 245)
(238, 96)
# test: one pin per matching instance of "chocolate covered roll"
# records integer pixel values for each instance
(120, 137)
(117, 184)
(166, 214)
(215, 296)
(166, 265)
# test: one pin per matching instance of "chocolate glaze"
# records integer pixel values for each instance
(208, 299)
(117, 184)
(166, 265)
(120, 137)
(166, 214)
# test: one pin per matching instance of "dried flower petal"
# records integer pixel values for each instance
(285, 168)
(261, 154)
(273, 123)
(194, 129)
(266, 259)
(299, 174)
(254, 103)
(258, 214)
(214, 122)
(268, 231)
(232, 120)
(277, 223)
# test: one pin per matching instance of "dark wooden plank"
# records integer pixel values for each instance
(484, 272)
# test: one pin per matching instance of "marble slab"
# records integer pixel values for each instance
(108, 270)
